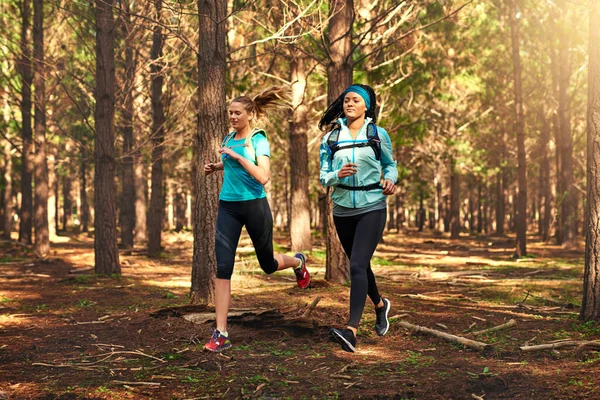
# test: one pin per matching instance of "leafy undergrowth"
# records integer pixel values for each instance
(67, 334)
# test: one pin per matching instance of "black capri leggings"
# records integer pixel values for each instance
(232, 216)
(359, 236)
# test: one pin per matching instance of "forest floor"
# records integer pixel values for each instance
(67, 334)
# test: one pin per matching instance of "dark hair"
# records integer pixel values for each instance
(271, 98)
(336, 109)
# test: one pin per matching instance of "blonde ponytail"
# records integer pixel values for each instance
(273, 98)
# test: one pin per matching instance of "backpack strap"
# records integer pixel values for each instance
(248, 143)
(227, 138)
(332, 140)
(373, 140)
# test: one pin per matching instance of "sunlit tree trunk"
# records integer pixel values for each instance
(25, 217)
(546, 204)
(127, 208)
(454, 200)
(141, 196)
(84, 208)
(8, 195)
(157, 209)
(565, 145)
(521, 214)
(590, 305)
(300, 212)
(105, 225)
(42, 239)
(212, 127)
(339, 77)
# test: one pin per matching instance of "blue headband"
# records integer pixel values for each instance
(361, 92)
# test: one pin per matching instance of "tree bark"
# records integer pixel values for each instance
(339, 77)
(565, 145)
(25, 67)
(8, 195)
(157, 209)
(546, 202)
(84, 211)
(521, 214)
(67, 202)
(128, 188)
(105, 226)
(180, 208)
(141, 198)
(212, 126)
(51, 191)
(42, 239)
(454, 201)
(590, 305)
(300, 206)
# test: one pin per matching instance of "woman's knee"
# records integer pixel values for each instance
(224, 271)
(269, 267)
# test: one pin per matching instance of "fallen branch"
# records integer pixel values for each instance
(559, 345)
(137, 383)
(340, 376)
(310, 308)
(479, 346)
(509, 324)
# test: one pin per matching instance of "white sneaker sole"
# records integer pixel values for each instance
(386, 317)
(346, 345)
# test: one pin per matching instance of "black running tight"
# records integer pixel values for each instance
(359, 236)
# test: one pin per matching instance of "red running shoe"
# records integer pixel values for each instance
(302, 275)
(218, 342)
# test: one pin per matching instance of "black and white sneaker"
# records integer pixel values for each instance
(382, 324)
(344, 337)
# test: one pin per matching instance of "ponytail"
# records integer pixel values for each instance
(273, 98)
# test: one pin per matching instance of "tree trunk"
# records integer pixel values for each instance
(52, 194)
(157, 211)
(42, 239)
(8, 195)
(67, 203)
(339, 77)
(479, 206)
(212, 126)
(590, 305)
(438, 204)
(141, 197)
(565, 145)
(454, 201)
(128, 188)
(170, 217)
(300, 212)
(25, 219)
(180, 208)
(391, 213)
(84, 213)
(105, 225)
(545, 184)
(521, 214)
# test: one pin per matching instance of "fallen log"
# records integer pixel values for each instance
(479, 346)
(509, 324)
(559, 345)
(246, 316)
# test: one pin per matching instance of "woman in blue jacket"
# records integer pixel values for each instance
(245, 160)
(357, 162)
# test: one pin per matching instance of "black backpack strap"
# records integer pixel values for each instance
(374, 141)
(332, 140)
